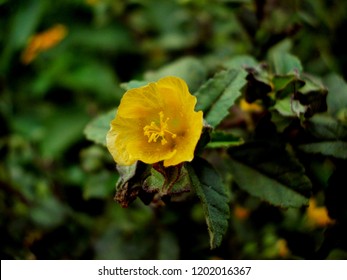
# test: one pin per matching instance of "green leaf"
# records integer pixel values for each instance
(285, 85)
(313, 96)
(62, 129)
(219, 93)
(205, 138)
(267, 171)
(284, 107)
(126, 172)
(188, 68)
(326, 127)
(22, 24)
(90, 76)
(285, 63)
(241, 61)
(336, 149)
(337, 97)
(99, 185)
(280, 120)
(133, 84)
(337, 254)
(167, 181)
(220, 139)
(212, 194)
(97, 129)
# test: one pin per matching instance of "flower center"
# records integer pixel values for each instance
(154, 131)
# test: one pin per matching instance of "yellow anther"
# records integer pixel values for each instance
(153, 131)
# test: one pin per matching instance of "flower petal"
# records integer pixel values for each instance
(156, 123)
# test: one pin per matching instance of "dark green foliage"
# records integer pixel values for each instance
(211, 191)
(257, 166)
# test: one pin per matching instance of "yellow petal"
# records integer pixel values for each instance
(156, 123)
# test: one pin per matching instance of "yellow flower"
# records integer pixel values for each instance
(154, 123)
(43, 41)
(318, 215)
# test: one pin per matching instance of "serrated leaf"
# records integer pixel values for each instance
(326, 127)
(265, 187)
(212, 194)
(97, 129)
(188, 68)
(336, 149)
(269, 172)
(219, 93)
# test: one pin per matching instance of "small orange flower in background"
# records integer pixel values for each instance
(154, 123)
(318, 215)
(241, 213)
(250, 107)
(43, 41)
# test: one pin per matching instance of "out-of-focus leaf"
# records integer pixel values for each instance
(97, 129)
(188, 68)
(62, 129)
(312, 84)
(219, 93)
(108, 39)
(337, 97)
(337, 254)
(336, 149)
(221, 139)
(326, 127)
(241, 61)
(134, 84)
(211, 191)
(48, 213)
(93, 77)
(100, 185)
(168, 246)
(270, 173)
(285, 63)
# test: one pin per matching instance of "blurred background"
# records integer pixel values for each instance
(62, 63)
